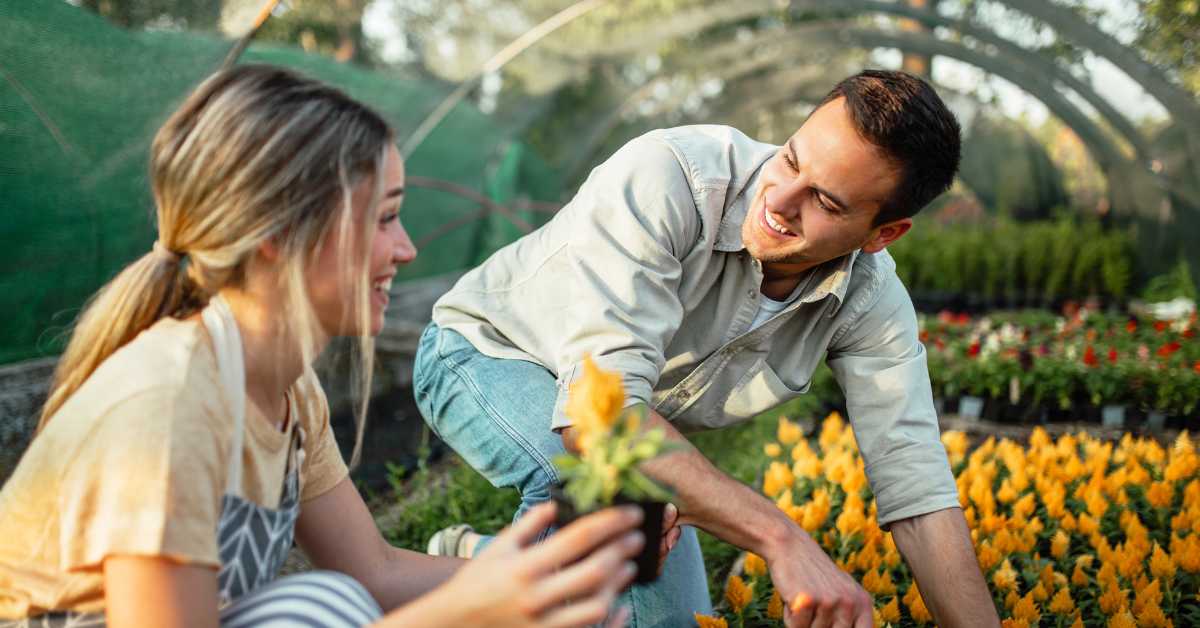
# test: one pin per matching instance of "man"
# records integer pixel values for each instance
(715, 273)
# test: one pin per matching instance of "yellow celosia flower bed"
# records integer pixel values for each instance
(1068, 532)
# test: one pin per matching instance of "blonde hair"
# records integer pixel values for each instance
(254, 153)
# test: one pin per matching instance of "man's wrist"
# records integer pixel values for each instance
(778, 536)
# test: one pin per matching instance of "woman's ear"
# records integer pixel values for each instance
(886, 234)
(269, 250)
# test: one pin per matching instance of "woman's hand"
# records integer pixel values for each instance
(571, 579)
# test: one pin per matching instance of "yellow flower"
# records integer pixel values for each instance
(1011, 599)
(1078, 623)
(852, 519)
(1027, 609)
(987, 555)
(738, 594)
(809, 467)
(1113, 600)
(1097, 503)
(1122, 620)
(772, 450)
(1153, 617)
(1148, 597)
(1161, 566)
(755, 565)
(594, 403)
(1060, 544)
(1007, 493)
(1039, 592)
(788, 433)
(1005, 577)
(916, 605)
(956, 444)
(1087, 525)
(1062, 604)
(705, 621)
(1079, 578)
(1013, 623)
(775, 606)
(879, 584)
(777, 478)
(831, 431)
(891, 611)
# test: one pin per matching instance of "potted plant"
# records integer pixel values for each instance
(611, 445)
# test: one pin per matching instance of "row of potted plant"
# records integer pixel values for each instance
(1067, 532)
(1038, 366)
(1008, 264)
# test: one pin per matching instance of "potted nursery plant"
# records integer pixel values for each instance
(611, 445)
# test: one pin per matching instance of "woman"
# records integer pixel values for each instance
(186, 438)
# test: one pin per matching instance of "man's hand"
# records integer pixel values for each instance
(670, 525)
(670, 535)
(815, 591)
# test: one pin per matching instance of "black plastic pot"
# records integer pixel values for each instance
(647, 560)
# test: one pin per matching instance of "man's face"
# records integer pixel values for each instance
(817, 197)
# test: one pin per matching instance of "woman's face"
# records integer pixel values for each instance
(331, 280)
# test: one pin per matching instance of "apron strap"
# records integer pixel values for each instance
(227, 344)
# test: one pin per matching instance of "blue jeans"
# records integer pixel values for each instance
(496, 414)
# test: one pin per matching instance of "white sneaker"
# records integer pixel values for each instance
(449, 541)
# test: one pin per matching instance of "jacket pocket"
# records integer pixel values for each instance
(759, 390)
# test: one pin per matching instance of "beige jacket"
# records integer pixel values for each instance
(645, 270)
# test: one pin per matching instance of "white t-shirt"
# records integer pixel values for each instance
(768, 307)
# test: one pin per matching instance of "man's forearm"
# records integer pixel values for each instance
(716, 503)
(937, 547)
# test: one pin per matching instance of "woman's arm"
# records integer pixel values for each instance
(512, 583)
(154, 591)
(337, 532)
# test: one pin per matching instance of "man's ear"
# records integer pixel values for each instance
(886, 234)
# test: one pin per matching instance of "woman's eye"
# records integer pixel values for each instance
(787, 159)
(389, 217)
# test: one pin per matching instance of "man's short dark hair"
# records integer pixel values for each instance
(902, 115)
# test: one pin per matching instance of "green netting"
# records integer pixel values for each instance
(80, 100)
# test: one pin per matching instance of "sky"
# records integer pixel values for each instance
(1120, 18)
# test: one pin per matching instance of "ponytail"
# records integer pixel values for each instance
(147, 290)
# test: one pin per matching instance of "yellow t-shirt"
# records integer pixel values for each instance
(135, 463)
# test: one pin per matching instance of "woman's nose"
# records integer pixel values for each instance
(404, 251)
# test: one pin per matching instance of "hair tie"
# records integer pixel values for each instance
(166, 254)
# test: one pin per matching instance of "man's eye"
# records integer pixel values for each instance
(824, 205)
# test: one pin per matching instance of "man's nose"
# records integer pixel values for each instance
(787, 197)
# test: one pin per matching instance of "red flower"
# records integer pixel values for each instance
(1131, 326)
(1166, 350)
(1091, 335)
(973, 350)
(1196, 367)
(939, 344)
(1089, 356)
(962, 319)
(924, 336)
(1188, 333)
(1112, 356)
(1160, 326)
